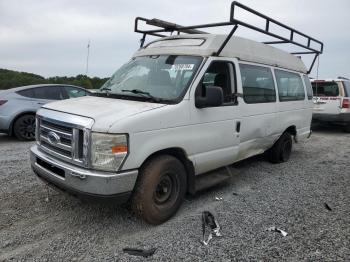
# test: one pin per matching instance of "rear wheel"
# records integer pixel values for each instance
(160, 189)
(281, 150)
(347, 128)
(24, 128)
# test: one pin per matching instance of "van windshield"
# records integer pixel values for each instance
(157, 78)
(329, 88)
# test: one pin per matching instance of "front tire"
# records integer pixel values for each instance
(281, 150)
(24, 128)
(160, 189)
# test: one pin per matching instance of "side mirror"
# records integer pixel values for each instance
(214, 97)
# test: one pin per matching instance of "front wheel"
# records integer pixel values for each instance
(160, 189)
(281, 150)
(24, 128)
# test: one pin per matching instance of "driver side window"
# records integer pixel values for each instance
(218, 74)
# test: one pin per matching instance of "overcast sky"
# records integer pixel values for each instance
(50, 37)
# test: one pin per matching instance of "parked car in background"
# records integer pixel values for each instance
(19, 105)
(332, 101)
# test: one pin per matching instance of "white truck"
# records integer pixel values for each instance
(184, 106)
(332, 101)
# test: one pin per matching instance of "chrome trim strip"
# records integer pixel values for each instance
(75, 144)
(65, 119)
(49, 151)
(59, 145)
(63, 134)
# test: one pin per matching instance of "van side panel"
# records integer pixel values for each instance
(258, 128)
(294, 113)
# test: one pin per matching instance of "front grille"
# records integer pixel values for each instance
(61, 140)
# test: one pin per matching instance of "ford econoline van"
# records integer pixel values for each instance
(183, 106)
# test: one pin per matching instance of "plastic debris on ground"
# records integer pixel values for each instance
(47, 198)
(327, 207)
(275, 229)
(139, 252)
(210, 227)
(218, 198)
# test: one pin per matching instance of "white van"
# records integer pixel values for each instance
(183, 106)
(332, 101)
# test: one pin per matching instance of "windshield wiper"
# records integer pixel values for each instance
(147, 94)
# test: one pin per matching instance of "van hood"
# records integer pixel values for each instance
(104, 111)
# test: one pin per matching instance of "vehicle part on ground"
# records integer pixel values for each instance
(210, 227)
(275, 229)
(24, 127)
(160, 189)
(139, 252)
(327, 207)
(281, 150)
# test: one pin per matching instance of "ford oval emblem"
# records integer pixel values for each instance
(53, 138)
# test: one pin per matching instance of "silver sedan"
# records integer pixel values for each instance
(19, 105)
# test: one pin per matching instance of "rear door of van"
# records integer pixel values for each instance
(327, 96)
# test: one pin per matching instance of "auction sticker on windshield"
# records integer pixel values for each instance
(177, 67)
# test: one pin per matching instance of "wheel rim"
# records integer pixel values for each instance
(26, 127)
(165, 189)
(287, 148)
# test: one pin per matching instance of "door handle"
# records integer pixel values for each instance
(238, 126)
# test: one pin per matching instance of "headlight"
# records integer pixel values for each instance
(108, 151)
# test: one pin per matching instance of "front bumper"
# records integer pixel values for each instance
(82, 182)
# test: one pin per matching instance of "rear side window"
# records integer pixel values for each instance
(48, 92)
(290, 86)
(258, 85)
(329, 88)
(308, 87)
(26, 93)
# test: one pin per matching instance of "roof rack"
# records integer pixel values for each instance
(342, 77)
(165, 26)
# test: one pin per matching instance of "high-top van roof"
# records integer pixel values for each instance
(237, 47)
(191, 40)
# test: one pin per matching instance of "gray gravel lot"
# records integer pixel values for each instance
(289, 195)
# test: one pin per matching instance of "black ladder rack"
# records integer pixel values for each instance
(166, 27)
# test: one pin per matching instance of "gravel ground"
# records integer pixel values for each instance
(290, 196)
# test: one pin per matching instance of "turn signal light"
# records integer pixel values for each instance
(345, 103)
(2, 102)
(119, 149)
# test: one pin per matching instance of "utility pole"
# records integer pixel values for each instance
(87, 58)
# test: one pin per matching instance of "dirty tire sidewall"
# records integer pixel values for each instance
(281, 150)
(24, 128)
(144, 203)
(347, 128)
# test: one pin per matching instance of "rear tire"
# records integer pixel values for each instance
(24, 128)
(347, 128)
(160, 189)
(281, 150)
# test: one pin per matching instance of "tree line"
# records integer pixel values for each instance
(11, 78)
